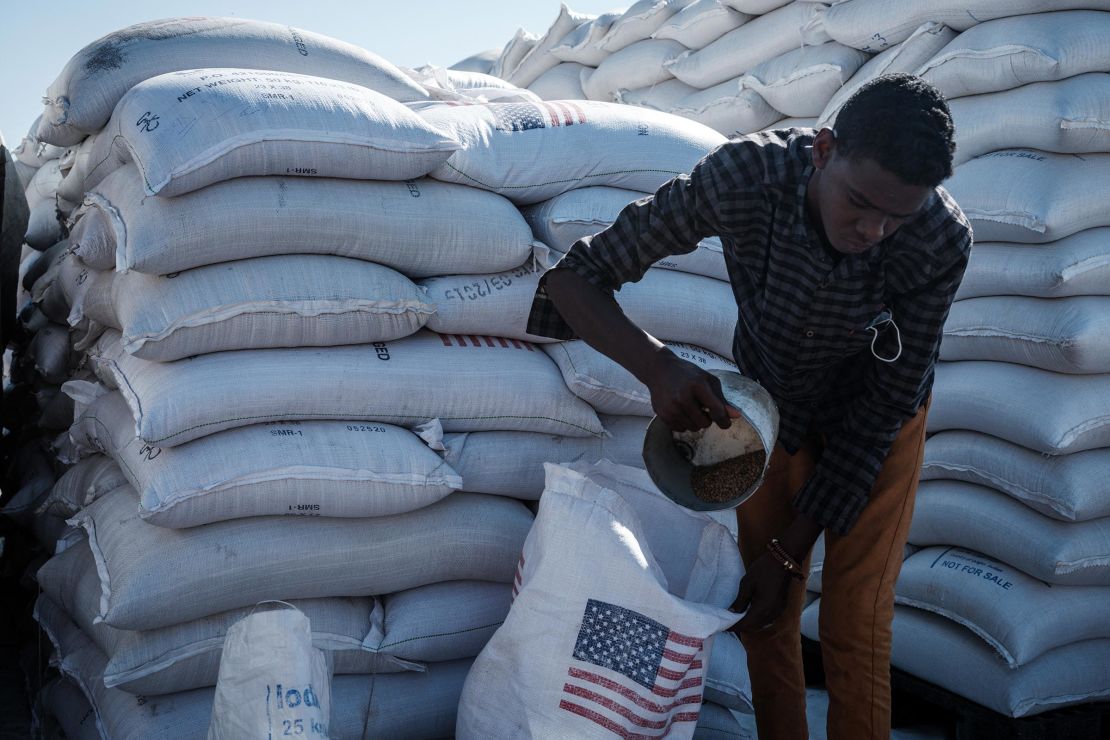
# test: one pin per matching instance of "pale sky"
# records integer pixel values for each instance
(38, 37)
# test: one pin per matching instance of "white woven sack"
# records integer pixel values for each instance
(728, 108)
(874, 25)
(564, 219)
(144, 569)
(447, 84)
(64, 701)
(636, 65)
(313, 127)
(1063, 335)
(1064, 487)
(1009, 52)
(311, 468)
(271, 677)
(661, 96)
(442, 621)
(639, 22)
(925, 644)
(480, 62)
(494, 385)
(1071, 116)
(727, 682)
(1021, 195)
(984, 520)
(515, 50)
(1020, 617)
(756, 7)
(511, 463)
(1075, 265)
(561, 82)
(421, 227)
(610, 568)
(532, 152)
(82, 484)
(611, 389)
(581, 44)
(408, 704)
(83, 96)
(1052, 413)
(32, 152)
(743, 48)
(802, 81)
(72, 186)
(281, 301)
(43, 227)
(700, 23)
(908, 56)
(496, 305)
(539, 58)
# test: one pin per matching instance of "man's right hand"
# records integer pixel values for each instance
(684, 396)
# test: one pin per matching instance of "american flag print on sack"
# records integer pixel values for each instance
(510, 117)
(632, 675)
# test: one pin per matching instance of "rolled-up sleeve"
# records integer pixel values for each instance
(856, 448)
(680, 214)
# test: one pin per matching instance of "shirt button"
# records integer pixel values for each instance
(809, 333)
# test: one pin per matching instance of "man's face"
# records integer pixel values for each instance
(860, 203)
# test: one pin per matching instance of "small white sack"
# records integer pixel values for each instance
(1071, 116)
(700, 23)
(480, 62)
(1051, 413)
(802, 81)
(515, 50)
(925, 645)
(561, 82)
(874, 25)
(280, 301)
(728, 108)
(1062, 335)
(662, 96)
(743, 48)
(72, 186)
(1019, 616)
(531, 152)
(43, 227)
(908, 56)
(1009, 52)
(511, 463)
(495, 384)
(639, 22)
(539, 58)
(1064, 487)
(419, 228)
(81, 99)
(608, 387)
(1075, 265)
(271, 679)
(581, 44)
(447, 84)
(82, 484)
(186, 130)
(32, 152)
(637, 65)
(611, 568)
(984, 520)
(311, 468)
(564, 219)
(1023, 195)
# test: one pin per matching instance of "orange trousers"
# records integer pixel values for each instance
(857, 599)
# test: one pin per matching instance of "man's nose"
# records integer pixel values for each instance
(872, 228)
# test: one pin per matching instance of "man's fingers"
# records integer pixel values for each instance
(710, 398)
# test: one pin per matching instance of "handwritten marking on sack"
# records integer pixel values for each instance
(147, 122)
(414, 189)
(642, 130)
(148, 453)
(986, 572)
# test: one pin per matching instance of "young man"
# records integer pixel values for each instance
(844, 255)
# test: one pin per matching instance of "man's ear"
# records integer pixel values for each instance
(824, 144)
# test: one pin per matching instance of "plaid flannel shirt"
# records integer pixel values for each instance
(803, 315)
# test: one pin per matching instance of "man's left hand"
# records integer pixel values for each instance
(763, 593)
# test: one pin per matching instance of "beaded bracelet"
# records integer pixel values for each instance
(789, 564)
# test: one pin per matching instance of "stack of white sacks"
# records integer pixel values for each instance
(304, 298)
(1006, 601)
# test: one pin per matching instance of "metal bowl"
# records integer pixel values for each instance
(669, 466)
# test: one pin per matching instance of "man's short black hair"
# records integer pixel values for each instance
(903, 124)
